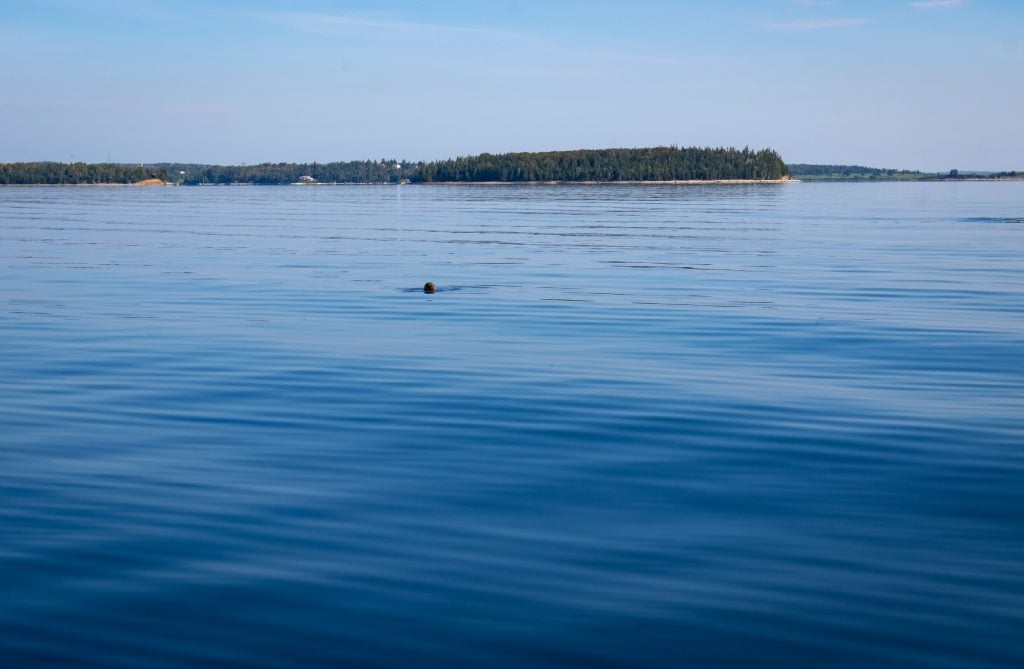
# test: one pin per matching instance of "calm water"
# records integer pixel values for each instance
(639, 426)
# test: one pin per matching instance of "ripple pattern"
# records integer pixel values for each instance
(638, 426)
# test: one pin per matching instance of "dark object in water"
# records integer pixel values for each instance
(429, 287)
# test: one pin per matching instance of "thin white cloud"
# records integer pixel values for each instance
(392, 30)
(937, 4)
(349, 25)
(817, 24)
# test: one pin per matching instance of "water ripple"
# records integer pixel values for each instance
(636, 426)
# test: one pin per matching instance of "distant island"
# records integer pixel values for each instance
(192, 174)
(50, 173)
(664, 164)
(805, 172)
(595, 165)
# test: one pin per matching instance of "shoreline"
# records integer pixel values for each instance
(103, 185)
(675, 182)
(681, 182)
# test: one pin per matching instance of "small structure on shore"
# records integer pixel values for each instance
(429, 287)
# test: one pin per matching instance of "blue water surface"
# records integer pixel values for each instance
(638, 426)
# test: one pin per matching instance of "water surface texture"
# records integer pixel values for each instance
(638, 426)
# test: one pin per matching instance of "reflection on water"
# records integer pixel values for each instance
(637, 426)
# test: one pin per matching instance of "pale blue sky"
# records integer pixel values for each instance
(928, 84)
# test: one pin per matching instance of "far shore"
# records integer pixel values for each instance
(681, 182)
(144, 184)
(676, 182)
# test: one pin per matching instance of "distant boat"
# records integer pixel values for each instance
(305, 181)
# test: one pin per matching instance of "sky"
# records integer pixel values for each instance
(916, 84)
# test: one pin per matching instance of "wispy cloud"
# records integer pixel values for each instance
(937, 4)
(817, 24)
(386, 30)
(358, 26)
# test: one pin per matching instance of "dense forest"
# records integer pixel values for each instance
(861, 173)
(852, 173)
(365, 171)
(76, 173)
(357, 171)
(653, 164)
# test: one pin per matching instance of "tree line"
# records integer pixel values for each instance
(665, 163)
(861, 173)
(851, 173)
(76, 173)
(53, 173)
(648, 164)
(356, 171)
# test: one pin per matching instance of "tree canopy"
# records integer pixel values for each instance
(851, 173)
(650, 164)
(363, 171)
(356, 171)
(75, 173)
(646, 164)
